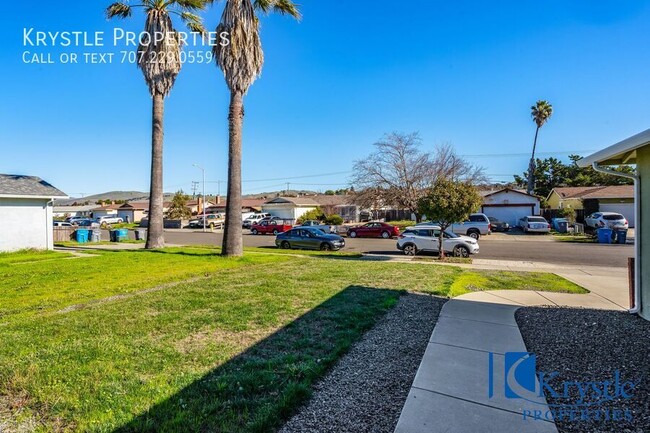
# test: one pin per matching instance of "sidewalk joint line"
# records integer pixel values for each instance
(474, 320)
(476, 402)
(468, 348)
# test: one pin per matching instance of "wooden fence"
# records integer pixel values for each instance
(62, 234)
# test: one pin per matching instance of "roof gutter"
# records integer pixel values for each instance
(637, 218)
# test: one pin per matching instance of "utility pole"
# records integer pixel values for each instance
(203, 201)
(287, 191)
(195, 186)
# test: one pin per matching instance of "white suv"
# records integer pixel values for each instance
(109, 219)
(610, 220)
(255, 218)
(425, 238)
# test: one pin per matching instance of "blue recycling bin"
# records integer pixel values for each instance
(123, 234)
(621, 236)
(82, 235)
(605, 236)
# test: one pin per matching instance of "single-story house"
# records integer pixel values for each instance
(73, 211)
(26, 212)
(290, 208)
(633, 150)
(339, 204)
(196, 206)
(106, 210)
(509, 205)
(247, 205)
(133, 211)
(615, 198)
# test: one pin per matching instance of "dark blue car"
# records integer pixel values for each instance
(309, 238)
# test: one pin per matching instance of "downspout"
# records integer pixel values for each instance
(637, 219)
(48, 225)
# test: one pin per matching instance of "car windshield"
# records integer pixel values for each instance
(613, 217)
(316, 232)
(536, 220)
(450, 234)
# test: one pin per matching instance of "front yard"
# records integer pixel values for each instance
(182, 339)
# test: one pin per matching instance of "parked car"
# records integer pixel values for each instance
(317, 224)
(86, 223)
(609, 220)
(109, 219)
(62, 224)
(74, 219)
(274, 226)
(498, 225)
(534, 224)
(212, 220)
(426, 238)
(476, 225)
(373, 230)
(309, 238)
(255, 218)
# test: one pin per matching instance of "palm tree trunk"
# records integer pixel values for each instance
(155, 236)
(233, 244)
(531, 167)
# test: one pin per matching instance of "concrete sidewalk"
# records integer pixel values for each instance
(450, 390)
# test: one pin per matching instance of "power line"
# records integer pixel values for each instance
(508, 155)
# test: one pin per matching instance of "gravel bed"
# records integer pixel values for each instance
(590, 345)
(366, 390)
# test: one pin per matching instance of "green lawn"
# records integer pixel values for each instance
(185, 340)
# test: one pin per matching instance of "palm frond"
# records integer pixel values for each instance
(160, 60)
(190, 5)
(283, 7)
(120, 10)
(193, 22)
(241, 60)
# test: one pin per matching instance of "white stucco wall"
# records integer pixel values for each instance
(286, 211)
(25, 223)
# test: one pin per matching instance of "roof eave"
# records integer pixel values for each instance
(621, 153)
(40, 197)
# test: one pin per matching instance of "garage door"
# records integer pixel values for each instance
(625, 209)
(509, 214)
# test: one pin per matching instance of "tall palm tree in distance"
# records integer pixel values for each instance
(540, 113)
(241, 62)
(160, 62)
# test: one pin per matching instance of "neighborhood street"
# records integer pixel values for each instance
(495, 247)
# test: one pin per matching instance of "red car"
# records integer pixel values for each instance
(374, 230)
(272, 226)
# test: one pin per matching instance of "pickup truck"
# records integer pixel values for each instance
(274, 226)
(475, 226)
(212, 220)
(318, 225)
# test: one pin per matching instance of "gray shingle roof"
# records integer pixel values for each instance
(18, 185)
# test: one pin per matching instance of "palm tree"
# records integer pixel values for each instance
(241, 62)
(160, 62)
(540, 113)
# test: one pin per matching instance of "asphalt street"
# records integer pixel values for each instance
(495, 247)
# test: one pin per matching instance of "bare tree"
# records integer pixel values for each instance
(398, 173)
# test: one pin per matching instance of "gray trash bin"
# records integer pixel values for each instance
(96, 236)
(140, 234)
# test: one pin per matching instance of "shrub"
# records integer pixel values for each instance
(334, 220)
(316, 214)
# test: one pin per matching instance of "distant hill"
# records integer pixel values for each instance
(112, 195)
(144, 196)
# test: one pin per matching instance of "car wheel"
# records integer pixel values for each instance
(120, 221)
(325, 247)
(353, 234)
(385, 235)
(461, 251)
(410, 250)
(474, 234)
(275, 232)
(254, 231)
(285, 245)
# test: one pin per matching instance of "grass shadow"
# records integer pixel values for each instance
(261, 387)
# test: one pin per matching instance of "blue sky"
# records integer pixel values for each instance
(350, 71)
